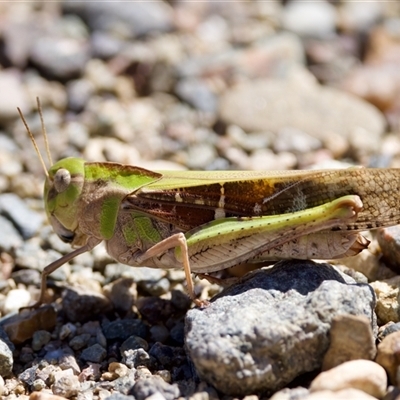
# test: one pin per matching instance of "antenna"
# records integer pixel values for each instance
(34, 141)
(46, 139)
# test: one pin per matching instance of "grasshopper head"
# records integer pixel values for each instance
(62, 191)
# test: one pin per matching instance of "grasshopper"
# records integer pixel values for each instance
(206, 221)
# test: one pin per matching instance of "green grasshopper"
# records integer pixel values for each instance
(208, 221)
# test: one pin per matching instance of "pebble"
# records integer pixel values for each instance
(295, 141)
(135, 358)
(79, 92)
(26, 220)
(26, 277)
(156, 288)
(345, 394)
(134, 342)
(80, 304)
(10, 238)
(60, 57)
(79, 341)
(364, 375)
(387, 329)
(167, 356)
(38, 384)
(276, 104)
(317, 19)
(387, 304)
(124, 328)
(39, 339)
(159, 333)
(351, 339)
(6, 359)
(133, 19)
(122, 293)
(387, 356)
(15, 299)
(197, 93)
(355, 17)
(44, 396)
(95, 353)
(13, 94)
(389, 242)
(119, 396)
(119, 369)
(67, 330)
(144, 388)
(66, 384)
(22, 327)
(68, 361)
(291, 394)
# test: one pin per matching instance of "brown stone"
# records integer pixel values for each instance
(22, 326)
(351, 339)
(389, 355)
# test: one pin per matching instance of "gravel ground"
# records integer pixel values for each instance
(201, 86)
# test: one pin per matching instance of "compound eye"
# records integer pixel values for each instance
(62, 232)
(62, 179)
(67, 236)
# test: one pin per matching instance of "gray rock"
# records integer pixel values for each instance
(274, 55)
(138, 275)
(6, 359)
(132, 343)
(145, 388)
(119, 396)
(124, 328)
(168, 356)
(60, 57)
(156, 288)
(260, 334)
(29, 375)
(68, 361)
(295, 141)
(79, 92)
(197, 94)
(124, 384)
(127, 19)
(271, 105)
(122, 293)
(9, 236)
(68, 330)
(39, 339)
(66, 385)
(105, 45)
(387, 329)
(79, 341)
(291, 394)
(26, 276)
(94, 353)
(82, 304)
(26, 220)
(31, 255)
(159, 333)
(134, 358)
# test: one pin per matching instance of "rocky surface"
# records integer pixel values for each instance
(196, 85)
(272, 327)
